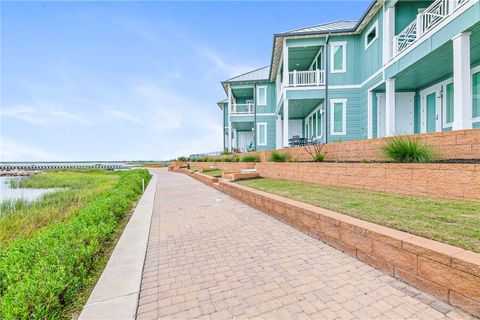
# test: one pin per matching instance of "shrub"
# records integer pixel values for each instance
(279, 156)
(408, 150)
(250, 158)
(224, 153)
(42, 274)
(182, 159)
(315, 151)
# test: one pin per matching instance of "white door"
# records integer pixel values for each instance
(430, 109)
(404, 102)
(404, 112)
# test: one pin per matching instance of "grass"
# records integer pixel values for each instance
(46, 271)
(450, 221)
(408, 150)
(213, 173)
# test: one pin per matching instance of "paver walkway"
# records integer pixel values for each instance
(211, 256)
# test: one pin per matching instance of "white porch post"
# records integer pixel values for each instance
(390, 107)
(369, 114)
(285, 123)
(229, 122)
(286, 78)
(462, 83)
(389, 33)
(278, 132)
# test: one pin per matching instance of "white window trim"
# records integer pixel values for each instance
(344, 116)
(474, 70)
(444, 104)
(342, 44)
(374, 26)
(318, 111)
(259, 103)
(259, 124)
(423, 108)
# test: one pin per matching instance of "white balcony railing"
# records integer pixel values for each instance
(306, 78)
(242, 108)
(425, 21)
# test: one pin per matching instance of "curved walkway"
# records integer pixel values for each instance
(210, 256)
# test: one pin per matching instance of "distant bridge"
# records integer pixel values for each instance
(53, 166)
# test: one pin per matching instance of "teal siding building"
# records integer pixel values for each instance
(405, 67)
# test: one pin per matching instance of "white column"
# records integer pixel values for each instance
(390, 107)
(388, 33)
(285, 123)
(285, 63)
(278, 132)
(370, 114)
(229, 122)
(462, 83)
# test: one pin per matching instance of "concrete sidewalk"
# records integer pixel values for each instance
(115, 295)
(210, 256)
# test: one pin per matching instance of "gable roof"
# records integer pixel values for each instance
(221, 103)
(322, 30)
(255, 75)
(335, 26)
(261, 74)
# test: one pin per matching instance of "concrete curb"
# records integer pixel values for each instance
(115, 295)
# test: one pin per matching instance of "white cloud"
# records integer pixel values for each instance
(122, 116)
(71, 117)
(24, 113)
(11, 150)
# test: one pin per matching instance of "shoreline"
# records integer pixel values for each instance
(18, 173)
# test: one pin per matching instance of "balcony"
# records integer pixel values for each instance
(242, 108)
(306, 78)
(425, 21)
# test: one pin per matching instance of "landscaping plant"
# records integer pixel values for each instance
(250, 158)
(279, 156)
(315, 151)
(408, 150)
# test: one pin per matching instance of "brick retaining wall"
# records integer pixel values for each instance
(459, 144)
(459, 181)
(448, 272)
(225, 166)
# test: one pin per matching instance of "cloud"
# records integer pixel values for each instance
(11, 150)
(24, 113)
(71, 117)
(122, 116)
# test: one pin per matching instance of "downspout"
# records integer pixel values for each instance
(327, 54)
(255, 117)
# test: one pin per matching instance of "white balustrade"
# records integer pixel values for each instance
(242, 108)
(306, 78)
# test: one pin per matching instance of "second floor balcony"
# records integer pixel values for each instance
(242, 108)
(306, 78)
(424, 22)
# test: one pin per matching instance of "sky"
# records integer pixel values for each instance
(132, 80)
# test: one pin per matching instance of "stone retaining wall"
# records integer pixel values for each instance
(225, 166)
(450, 273)
(459, 181)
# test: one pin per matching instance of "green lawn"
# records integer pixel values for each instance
(213, 173)
(450, 221)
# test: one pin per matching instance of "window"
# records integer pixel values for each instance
(338, 116)
(338, 57)
(262, 96)
(261, 133)
(313, 125)
(476, 95)
(371, 35)
(448, 112)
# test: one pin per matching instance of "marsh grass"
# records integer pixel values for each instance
(21, 218)
(53, 250)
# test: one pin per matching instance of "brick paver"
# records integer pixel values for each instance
(210, 256)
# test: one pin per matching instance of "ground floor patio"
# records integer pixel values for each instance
(210, 256)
